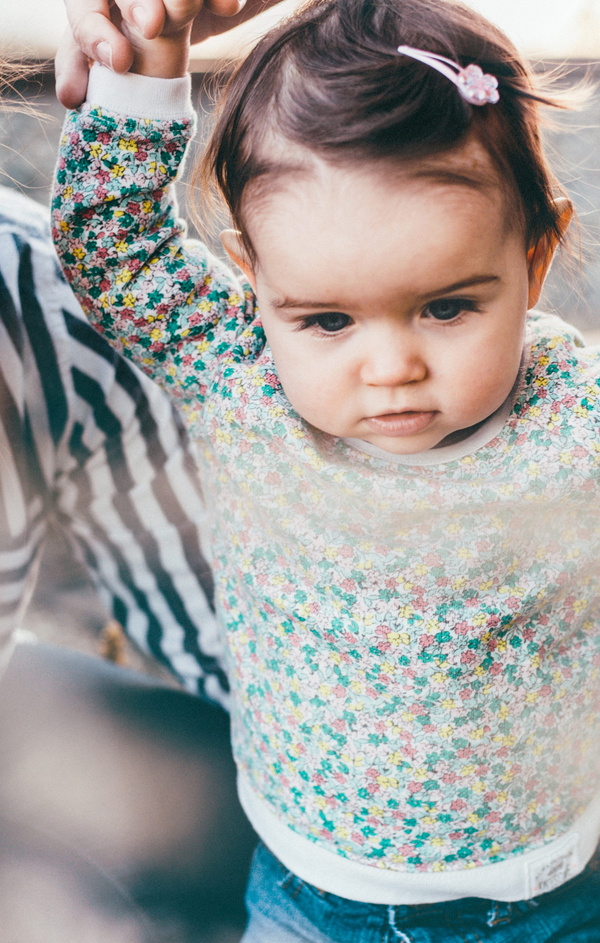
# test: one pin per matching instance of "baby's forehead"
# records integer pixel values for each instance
(290, 165)
(468, 165)
(304, 175)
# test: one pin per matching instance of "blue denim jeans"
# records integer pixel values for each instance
(284, 909)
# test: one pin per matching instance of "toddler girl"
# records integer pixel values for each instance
(400, 462)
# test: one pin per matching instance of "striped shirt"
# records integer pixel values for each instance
(89, 444)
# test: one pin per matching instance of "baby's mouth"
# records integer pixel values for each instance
(409, 422)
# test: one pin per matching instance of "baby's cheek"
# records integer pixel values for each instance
(485, 388)
(296, 382)
(317, 388)
(312, 399)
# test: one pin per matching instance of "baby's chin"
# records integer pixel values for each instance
(428, 441)
(395, 436)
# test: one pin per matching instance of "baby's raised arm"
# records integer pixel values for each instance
(164, 300)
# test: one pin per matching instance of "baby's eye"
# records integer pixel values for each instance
(331, 321)
(447, 309)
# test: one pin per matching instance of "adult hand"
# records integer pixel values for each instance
(98, 31)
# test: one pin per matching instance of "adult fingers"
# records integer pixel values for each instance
(71, 68)
(96, 35)
(99, 27)
(218, 16)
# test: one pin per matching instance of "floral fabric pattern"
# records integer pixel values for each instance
(414, 650)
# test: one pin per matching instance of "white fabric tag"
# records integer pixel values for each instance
(550, 872)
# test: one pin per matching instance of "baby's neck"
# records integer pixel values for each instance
(461, 434)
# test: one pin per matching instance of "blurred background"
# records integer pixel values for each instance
(549, 28)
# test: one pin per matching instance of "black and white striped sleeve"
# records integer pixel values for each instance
(106, 455)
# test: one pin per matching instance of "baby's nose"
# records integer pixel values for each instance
(393, 362)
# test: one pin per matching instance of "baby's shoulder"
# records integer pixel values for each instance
(562, 378)
(558, 352)
(551, 331)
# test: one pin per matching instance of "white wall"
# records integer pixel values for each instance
(561, 28)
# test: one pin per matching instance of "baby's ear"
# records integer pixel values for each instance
(234, 247)
(539, 257)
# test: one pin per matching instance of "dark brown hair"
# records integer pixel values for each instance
(330, 80)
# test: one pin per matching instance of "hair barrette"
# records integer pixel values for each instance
(475, 86)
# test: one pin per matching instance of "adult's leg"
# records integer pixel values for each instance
(124, 789)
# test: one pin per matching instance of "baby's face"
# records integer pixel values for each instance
(394, 305)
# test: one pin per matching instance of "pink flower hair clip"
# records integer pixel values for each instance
(475, 86)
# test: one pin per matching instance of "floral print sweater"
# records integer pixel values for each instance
(414, 646)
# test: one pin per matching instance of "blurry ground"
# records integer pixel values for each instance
(65, 610)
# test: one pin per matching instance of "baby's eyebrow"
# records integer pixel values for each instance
(476, 172)
(480, 180)
(466, 283)
(292, 303)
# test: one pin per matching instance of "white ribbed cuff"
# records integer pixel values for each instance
(140, 96)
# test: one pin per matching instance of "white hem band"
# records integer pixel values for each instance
(519, 877)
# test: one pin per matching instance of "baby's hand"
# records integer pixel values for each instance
(161, 52)
(114, 32)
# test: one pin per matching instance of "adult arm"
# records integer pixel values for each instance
(128, 499)
(89, 441)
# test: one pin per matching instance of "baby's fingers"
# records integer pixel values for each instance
(225, 7)
(180, 13)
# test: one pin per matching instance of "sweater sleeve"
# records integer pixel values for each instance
(164, 300)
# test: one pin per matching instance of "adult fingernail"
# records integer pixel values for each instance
(241, 5)
(104, 54)
(138, 15)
